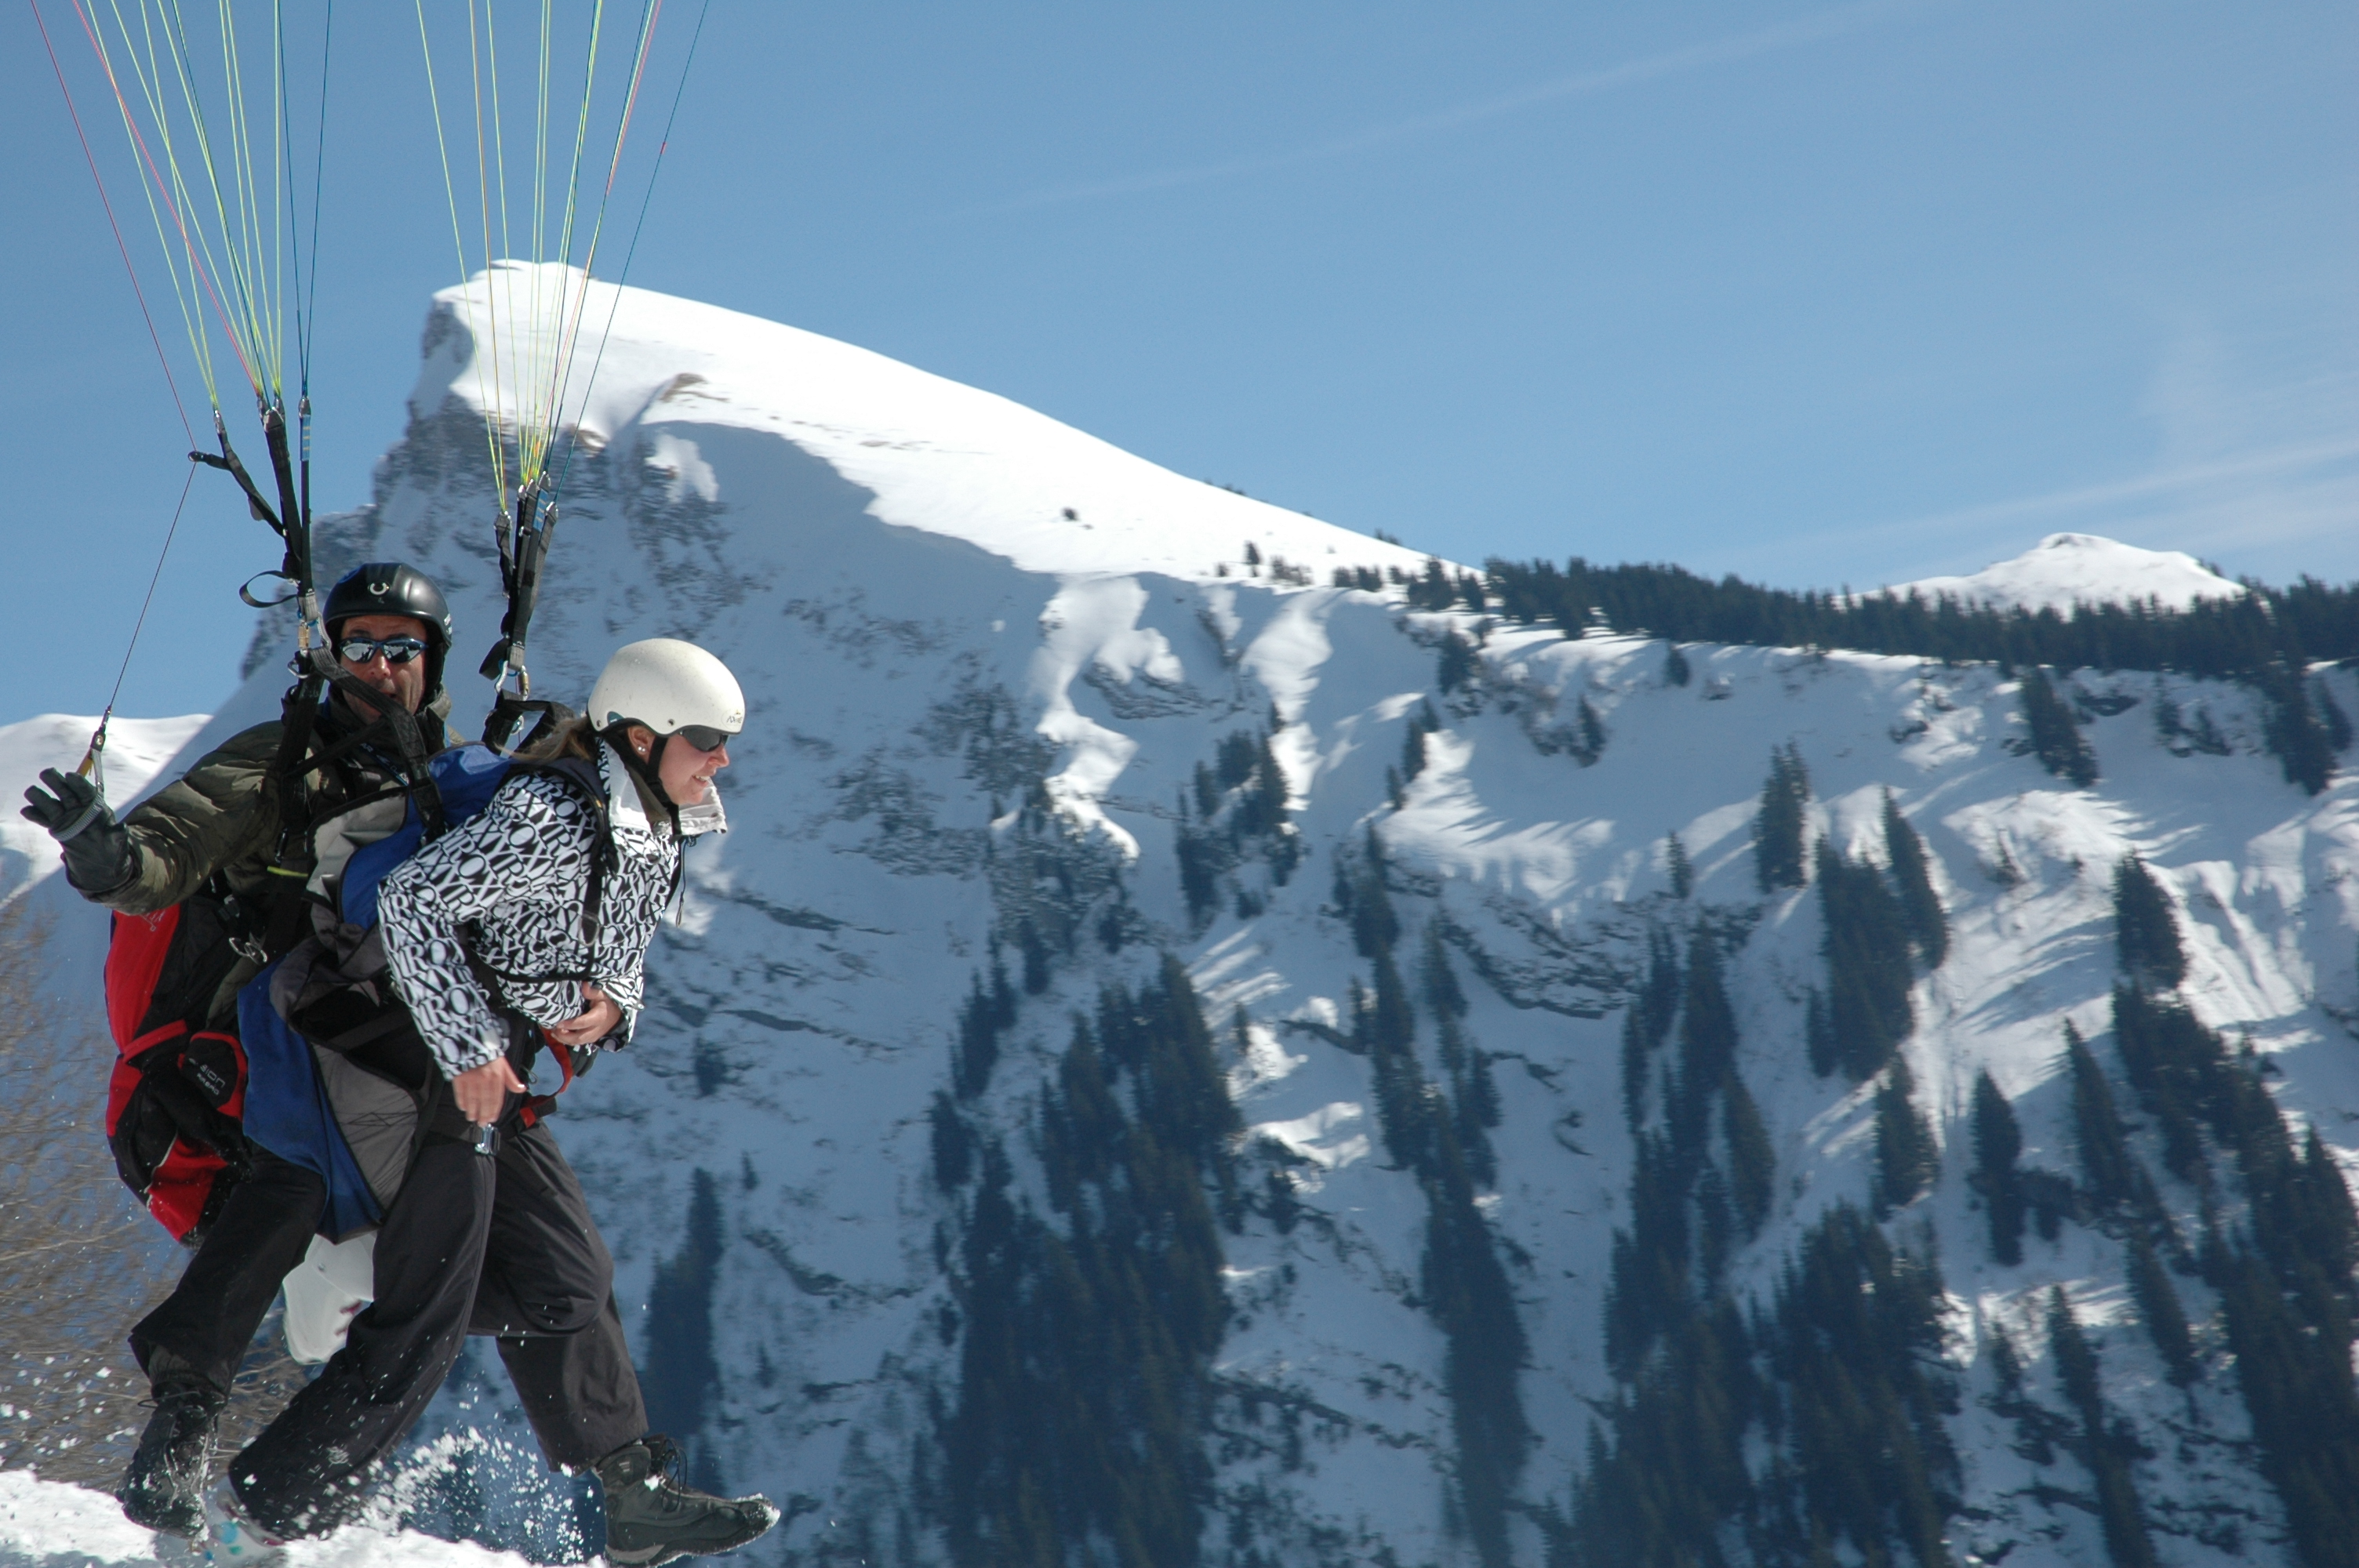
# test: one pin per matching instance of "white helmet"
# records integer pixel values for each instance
(669, 685)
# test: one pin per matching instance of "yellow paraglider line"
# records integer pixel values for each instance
(527, 337)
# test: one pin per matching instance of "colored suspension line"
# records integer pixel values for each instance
(162, 361)
(630, 252)
(93, 758)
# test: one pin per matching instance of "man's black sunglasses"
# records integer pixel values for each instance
(704, 736)
(396, 650)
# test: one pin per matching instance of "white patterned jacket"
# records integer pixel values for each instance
(510, 886)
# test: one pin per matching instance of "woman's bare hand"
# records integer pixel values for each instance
(482, 1092)
(599, 1017)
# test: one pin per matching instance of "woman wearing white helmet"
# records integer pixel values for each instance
(528, 925)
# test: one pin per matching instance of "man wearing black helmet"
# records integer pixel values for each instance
(219, 832)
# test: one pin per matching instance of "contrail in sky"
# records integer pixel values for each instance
(1819, 25)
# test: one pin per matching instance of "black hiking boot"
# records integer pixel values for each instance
(651, 1518)
(164, 1489)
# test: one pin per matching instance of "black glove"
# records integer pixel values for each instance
(98, 852)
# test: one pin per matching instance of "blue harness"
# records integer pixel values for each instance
(286, 1106)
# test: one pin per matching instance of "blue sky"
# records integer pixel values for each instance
(1819, 295)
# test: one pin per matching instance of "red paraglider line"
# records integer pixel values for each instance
(203, 274)
(130, 271)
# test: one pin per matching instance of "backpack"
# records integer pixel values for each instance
(328, 1040)
(174, 1099)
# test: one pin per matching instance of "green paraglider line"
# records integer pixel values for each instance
(162, 361)
(646, 201)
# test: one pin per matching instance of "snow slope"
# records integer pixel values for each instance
(2065, 569)
(137, 751)
(57, 1526)
(928, 641)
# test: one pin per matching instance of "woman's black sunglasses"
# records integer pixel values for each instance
(396, 650)
(704, 736)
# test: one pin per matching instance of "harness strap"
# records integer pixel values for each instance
(299, 712)
(539, 1106)
(524, 546)
(298, 756)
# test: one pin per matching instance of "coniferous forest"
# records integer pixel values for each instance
(2266, 638)
(2268, 628)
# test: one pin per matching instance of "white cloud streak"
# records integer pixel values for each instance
(1811, 28)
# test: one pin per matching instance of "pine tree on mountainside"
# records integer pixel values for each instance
(1676, 863)
(1928, 925)
(1374, 926)
(1198, 873)
(953, 1143)
(2159, 1307)
(1646, 1022)
(2145, 927)
(1467, 1292)
(2105, 1449)
(2055, 737)
(2294, 732)
(1778, 827)
(1387, 1031)
(1868, 1011)
(1997, 1141)
(1675, 668)
(1033, 948)
(1208, 792)
(2331, 717)
(1412, 761)
(1818, 1032)
(2109, 1172)
(1456, 667)
(1906, 1158)
(983, 1018)
(2180, 1073)
(2329, 1225)
(1590, 732)
(1647, 1279)
(1752, 1161)
(1706, 1045)
(1473, 1096)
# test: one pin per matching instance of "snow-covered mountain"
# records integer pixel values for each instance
(2065, 569)
(1021, 702)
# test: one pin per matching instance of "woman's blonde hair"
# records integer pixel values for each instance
(573, 738)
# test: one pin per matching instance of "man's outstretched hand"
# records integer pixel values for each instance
(98, 853)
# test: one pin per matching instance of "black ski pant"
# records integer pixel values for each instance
(500, 1245)
(263, 1231)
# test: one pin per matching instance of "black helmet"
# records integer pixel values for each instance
(391, 587)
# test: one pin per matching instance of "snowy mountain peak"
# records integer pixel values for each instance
(2065, 569)
(939, 457)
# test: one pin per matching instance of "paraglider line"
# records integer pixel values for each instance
(124, 250)
(646, 201)
(155, 577)
(201, 270)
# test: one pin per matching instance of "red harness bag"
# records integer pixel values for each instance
(178, 1090)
